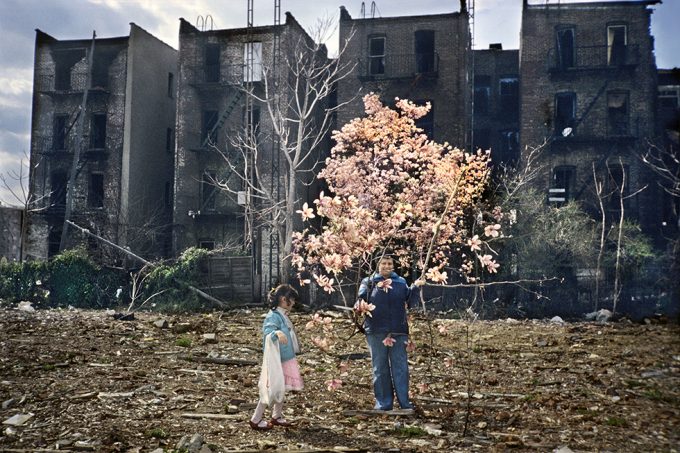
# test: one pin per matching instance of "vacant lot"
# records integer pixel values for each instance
(94, 383)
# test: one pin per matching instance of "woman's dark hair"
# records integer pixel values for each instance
(284, 290)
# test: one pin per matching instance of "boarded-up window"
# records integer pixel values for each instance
(60, 128)
(508, 89)
(565, 112)
(424, 47)
(563, 179)
(482, 94)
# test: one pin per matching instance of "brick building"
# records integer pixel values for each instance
(122, 181)
(421, 58)
(227, 148)
(11, 218)
(588, 94)
(496, 103)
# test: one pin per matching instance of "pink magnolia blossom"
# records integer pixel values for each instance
(492, 230)
(385, 285)
(410, 346)
(333, 384)
(474, 243)
(489, 263)
(389, 341)
(306, 212)
(364, 307)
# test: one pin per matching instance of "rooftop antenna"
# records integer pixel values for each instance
(363, 10)
(373, 10)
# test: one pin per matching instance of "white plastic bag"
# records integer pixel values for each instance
(272, 384)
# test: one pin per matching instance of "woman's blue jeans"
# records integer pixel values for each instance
(390, 371)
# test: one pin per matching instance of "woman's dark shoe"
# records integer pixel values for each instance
(262, 425)
(281, 422)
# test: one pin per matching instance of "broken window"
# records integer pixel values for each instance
(617, 113)
(565, 112)
(95, 196)
(98, 131)
(252, 56)
(425, 56)
(54, 239)
(508, 88)
(60, 132)
(562, 184)
(209, 122)
(565, 48)
(64, 60)
(616, 45)
(426, 123)
(376, 55)
(208, 191)
(482, 94)
(669, 96)
(211, 65)
(100, 67)
(58, 182)
(171, 84)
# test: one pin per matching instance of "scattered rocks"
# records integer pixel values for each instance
(18, 419)
(210, 338)
(182, 327)
(25, 306)
(161, 323)
(602, 316)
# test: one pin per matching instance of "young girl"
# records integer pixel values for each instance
(277, 325)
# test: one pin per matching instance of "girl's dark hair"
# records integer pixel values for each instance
(284, 290)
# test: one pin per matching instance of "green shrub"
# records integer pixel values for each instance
(23, 281)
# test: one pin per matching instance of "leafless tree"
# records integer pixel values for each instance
(297, 103)
(15, 183)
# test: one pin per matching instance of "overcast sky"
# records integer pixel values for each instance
(495, 21)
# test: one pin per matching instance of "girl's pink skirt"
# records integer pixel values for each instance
(291, 375)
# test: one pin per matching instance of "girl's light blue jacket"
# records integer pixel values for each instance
(273, 322)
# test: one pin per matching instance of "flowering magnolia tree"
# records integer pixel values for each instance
(393, 188)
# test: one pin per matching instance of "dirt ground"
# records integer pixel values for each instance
(93, 383)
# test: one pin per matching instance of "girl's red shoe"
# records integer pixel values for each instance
(260, 426)
(281, 422)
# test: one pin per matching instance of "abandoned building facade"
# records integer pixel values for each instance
(122, 179)
(421, 58)
(168, 145)
(588, 96)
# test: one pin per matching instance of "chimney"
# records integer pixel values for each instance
(463, 6)
(496, 46)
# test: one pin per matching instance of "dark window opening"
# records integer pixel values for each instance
(212, 63)
(376, 55)
(481, 139)
(169, 140)
(208, 191)
(171, 84)
(565, 48)
(616, 45)
(98, 133)
(565, 112)
(100, 67)
(426, 123)
(209, 122)
(508, 88)
(617, 113)
(425, 56)
(95, 196)
(60, 128)
(58, 182)
(508, 151)
(64, 60)
(207, 244)
(54, 240)
(482, 94)
(562, 185)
